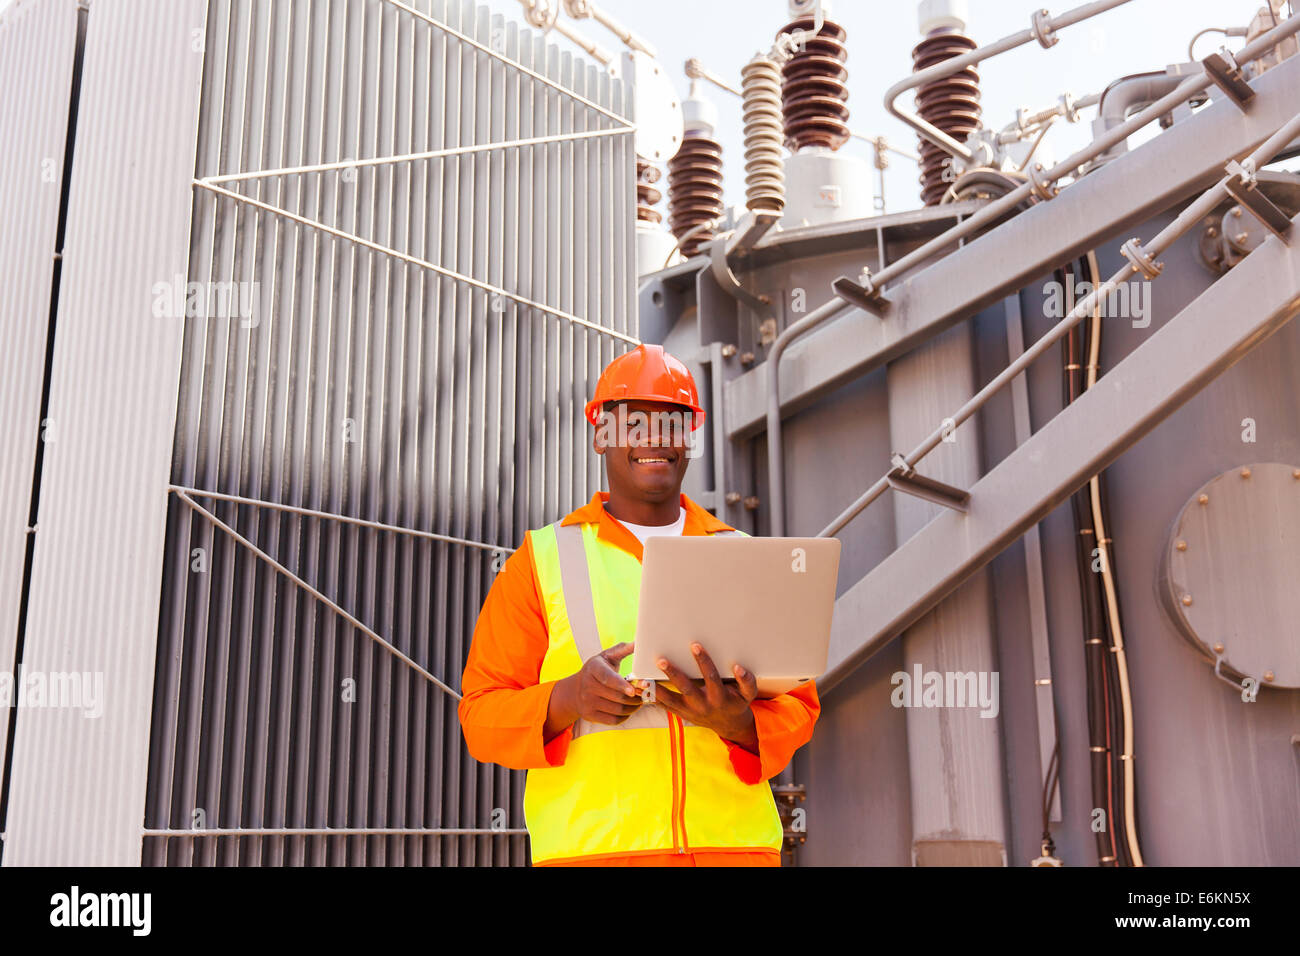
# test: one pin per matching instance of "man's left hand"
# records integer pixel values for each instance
(723, 708)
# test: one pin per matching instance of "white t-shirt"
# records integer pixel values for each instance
(643, 531)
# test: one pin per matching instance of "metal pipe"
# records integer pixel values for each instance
(1125, 93)
(994, 210)
(341, 611)
(345, 519)
(347, 164)
(1199, 208)
(957, 64)
(415, 261)
(330, 831)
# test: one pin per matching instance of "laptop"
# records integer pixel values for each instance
(763, 603)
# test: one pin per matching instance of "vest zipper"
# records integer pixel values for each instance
(677, 751)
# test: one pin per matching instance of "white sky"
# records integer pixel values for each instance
(1141, 35)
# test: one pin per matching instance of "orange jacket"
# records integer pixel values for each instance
(503, 710)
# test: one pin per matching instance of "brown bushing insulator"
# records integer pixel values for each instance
(952, 104)
(814, 91)
(695, 191)
(647, 196)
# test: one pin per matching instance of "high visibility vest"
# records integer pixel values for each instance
(651, 784)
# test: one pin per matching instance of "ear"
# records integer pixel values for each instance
(596, 444)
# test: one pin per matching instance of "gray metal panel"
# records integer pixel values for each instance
(78, 785)
(38, 44)
(372, 388)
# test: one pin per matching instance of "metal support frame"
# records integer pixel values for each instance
(1241, 186)
(1228, 76)
(1206, 338)
(865, 296)
(906, 479)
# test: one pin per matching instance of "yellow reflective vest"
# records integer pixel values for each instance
(652, 784)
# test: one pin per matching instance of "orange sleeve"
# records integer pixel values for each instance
(503, 708)
(784, 724)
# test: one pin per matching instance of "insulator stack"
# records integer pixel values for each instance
(695, 191)
(647, 196)
(952, 104)
(761, 95)
(814, 91)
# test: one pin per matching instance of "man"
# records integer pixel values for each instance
(612, 780)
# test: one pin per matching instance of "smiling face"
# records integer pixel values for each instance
(645, 447)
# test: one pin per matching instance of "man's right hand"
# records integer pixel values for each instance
(596, 693)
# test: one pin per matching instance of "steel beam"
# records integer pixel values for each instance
(1214, 332)
(1179, 162)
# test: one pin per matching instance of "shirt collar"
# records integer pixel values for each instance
(698, 522)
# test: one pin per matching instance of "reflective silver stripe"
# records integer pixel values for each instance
(732, 533)
(575, 581)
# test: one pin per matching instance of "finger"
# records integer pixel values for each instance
(680, 680)
(606, 674)
(617, 652)
(713, 682)
(613, 693)
(746, 683)
(707, 668)
(615, 708)
(671, 700)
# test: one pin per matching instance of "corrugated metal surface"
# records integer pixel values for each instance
(370, 387)
(78, 782)
(38, 44)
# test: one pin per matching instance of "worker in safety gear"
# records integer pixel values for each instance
(612, 780)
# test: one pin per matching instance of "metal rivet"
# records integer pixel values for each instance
(1218, 648)
(728, 351)
(1296, 474)
(1268, 676)
(1245, 472)
(1203, 500)
(752, 502)
(733, 497)
(747, 358)
(1241, 238)
(1187, 600)
(1181, 545)
(1236, 211)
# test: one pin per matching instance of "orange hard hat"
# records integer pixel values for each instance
(647, 373)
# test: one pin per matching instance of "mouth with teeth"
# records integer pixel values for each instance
(653, 458)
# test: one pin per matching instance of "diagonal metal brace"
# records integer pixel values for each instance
(1241, 186)
(866, 297)
(906, 479)
(1222, 68)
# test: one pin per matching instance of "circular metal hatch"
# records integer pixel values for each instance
(1230, 575)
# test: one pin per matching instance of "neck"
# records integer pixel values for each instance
(652, 513)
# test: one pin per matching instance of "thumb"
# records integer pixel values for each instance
(618, 651)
